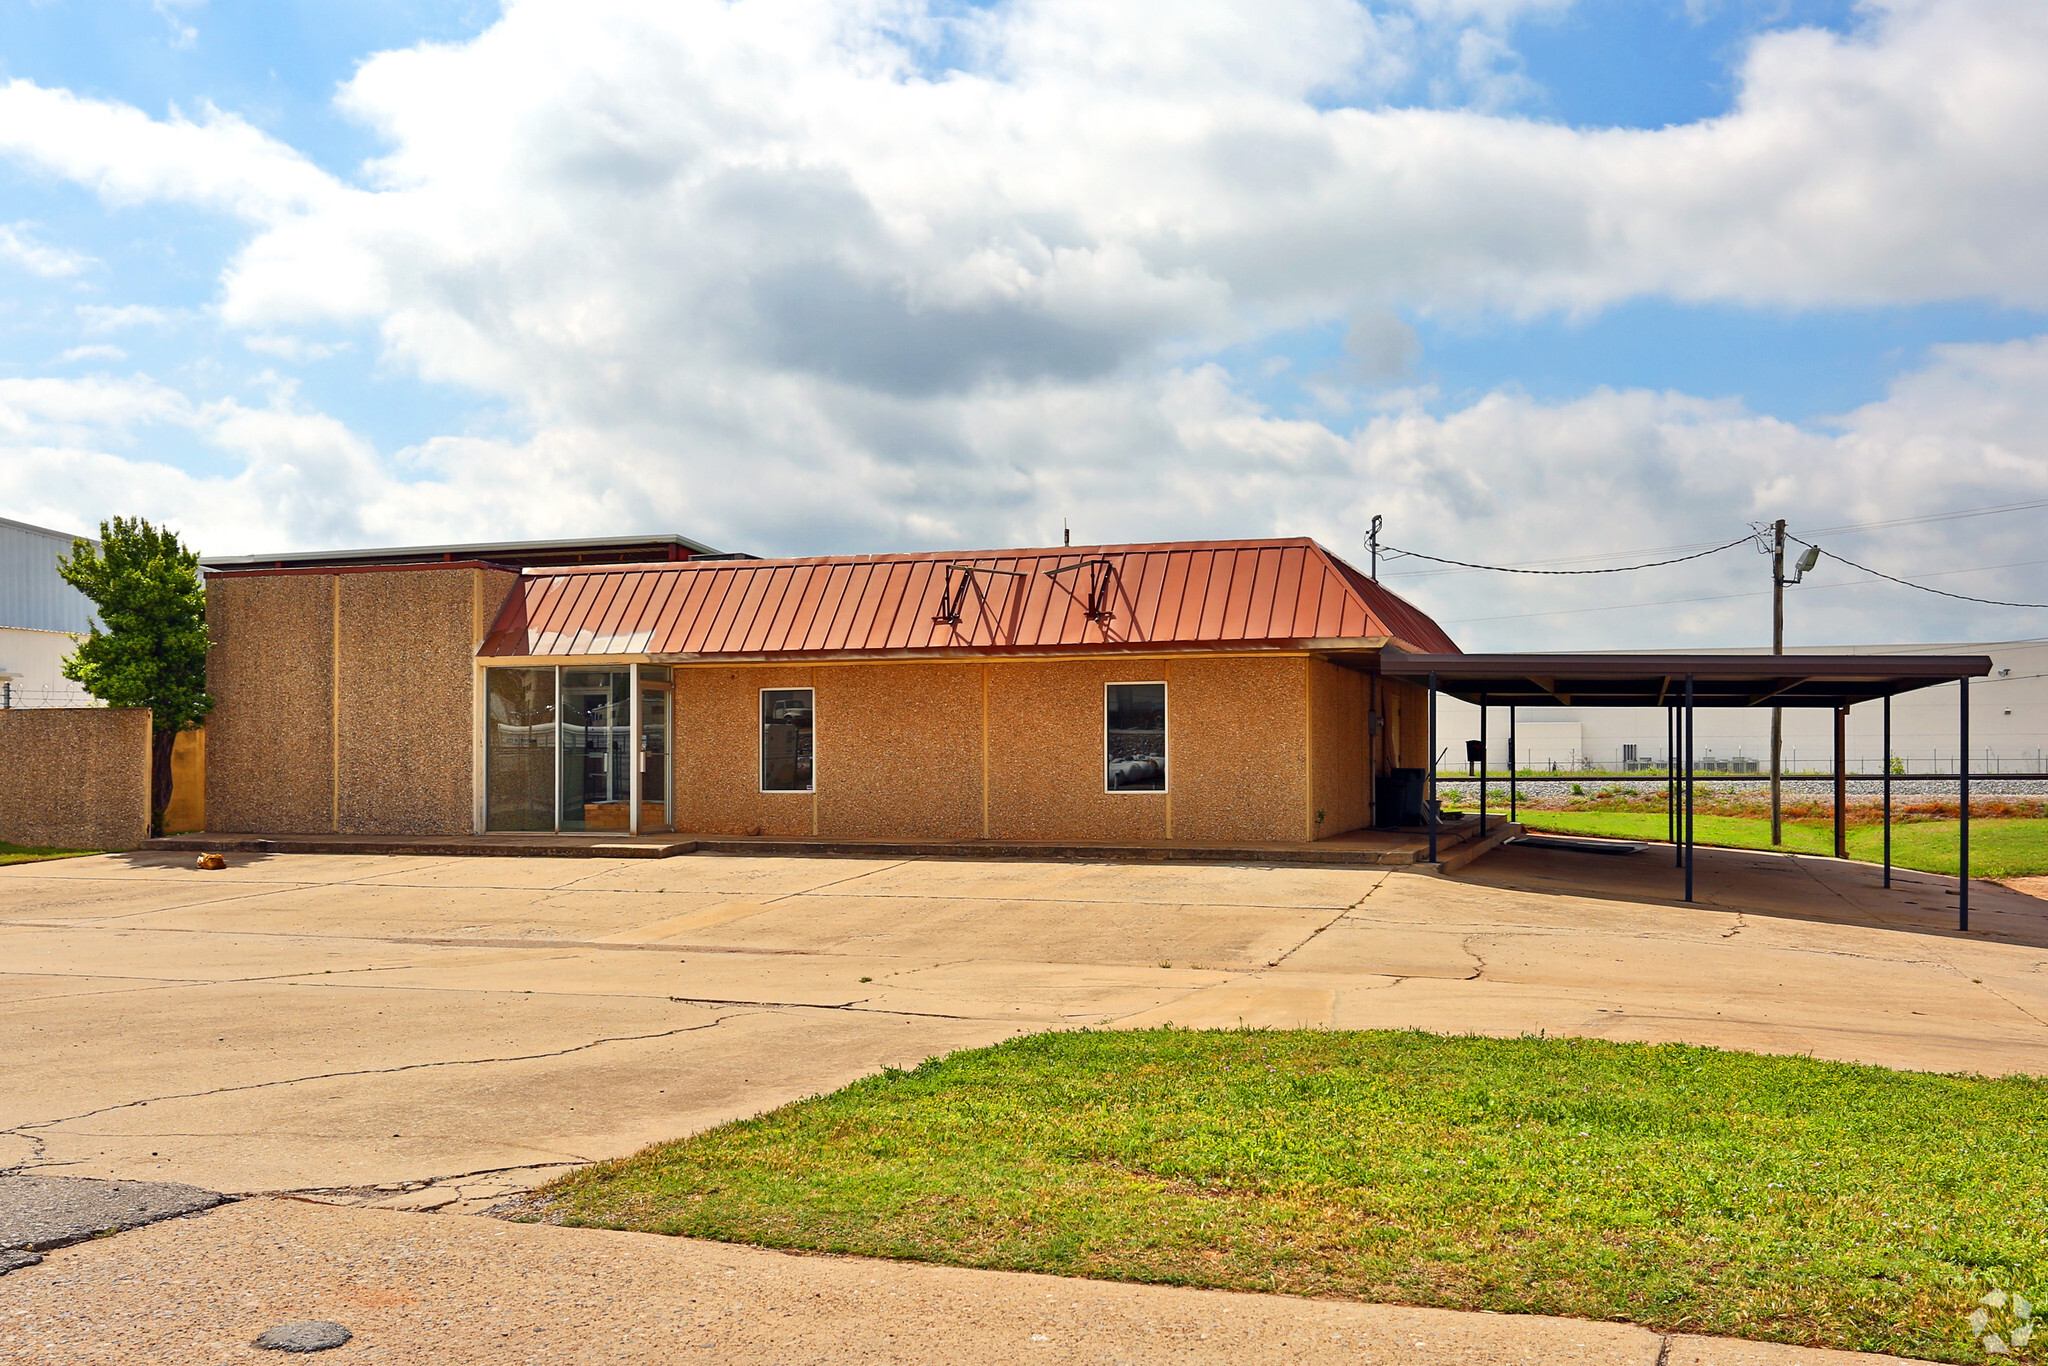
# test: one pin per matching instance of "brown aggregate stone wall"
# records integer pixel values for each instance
(899, 751)
(718, 754)
(381, 744)
(1238, 749)
(75, 777)
(270, 737)
(1046, 770)
(405, 702)
(1338, 733)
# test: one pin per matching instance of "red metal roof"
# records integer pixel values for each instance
(1080, 597)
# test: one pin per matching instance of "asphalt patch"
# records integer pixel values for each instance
(303, 1337)
(38, 1213)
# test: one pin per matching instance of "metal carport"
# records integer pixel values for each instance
(1682, 683)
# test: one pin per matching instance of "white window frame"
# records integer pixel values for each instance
(761, 760)
(1166, 692)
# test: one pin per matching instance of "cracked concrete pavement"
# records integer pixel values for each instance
(413, 1034)
(357, 1027)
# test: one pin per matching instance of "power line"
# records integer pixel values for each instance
(1849, 529)
(1856, 527)
(1616, 569)
(1531, 564)
(1729, 597)
(1878, 573)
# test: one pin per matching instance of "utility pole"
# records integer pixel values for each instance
(1777, 713)
(1775, 548)
(1372, 543)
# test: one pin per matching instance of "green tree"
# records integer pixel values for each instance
(149, 647)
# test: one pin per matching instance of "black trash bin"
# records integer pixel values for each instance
(1397, 798)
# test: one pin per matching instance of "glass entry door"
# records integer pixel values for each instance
(657, 803)
(596, 743)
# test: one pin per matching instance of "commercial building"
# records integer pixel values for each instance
(41, 618)
(1203, 691)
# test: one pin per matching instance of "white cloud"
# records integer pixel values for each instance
(183, 34)
(100, 318)
(129, 158)
(97, 351)
(791, 274)
(18, 245)
(292, 348)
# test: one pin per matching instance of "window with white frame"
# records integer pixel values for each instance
(1134, 737)
(788, 740)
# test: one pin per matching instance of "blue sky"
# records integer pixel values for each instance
(630, 250)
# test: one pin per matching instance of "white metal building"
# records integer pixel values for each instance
(2008, 725)
(41, 617)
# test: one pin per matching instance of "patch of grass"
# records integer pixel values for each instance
(1999, 847)
(26, 853)
(1679, 1187)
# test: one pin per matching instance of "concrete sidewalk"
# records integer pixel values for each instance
(477, 1292)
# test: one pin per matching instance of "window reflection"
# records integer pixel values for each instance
(1135, 757)
(786, 740)
(519, 749)
(597, 737)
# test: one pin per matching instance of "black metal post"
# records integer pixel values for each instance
(1673, 732)
(1513, 760)
(1482, 765)
(1429, 807)
(1886, 783)
(1688, 788)
(1841, 782)
(1963, 832)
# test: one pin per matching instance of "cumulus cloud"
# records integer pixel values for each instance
(799, 274)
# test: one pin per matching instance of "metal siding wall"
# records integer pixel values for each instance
(32, 596)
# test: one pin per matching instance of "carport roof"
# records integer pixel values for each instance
(1658, 679)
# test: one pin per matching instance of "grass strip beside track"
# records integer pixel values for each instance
(1683, 1188)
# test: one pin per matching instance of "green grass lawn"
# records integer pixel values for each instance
(1999, 847)
(24, 853)
(1682, 1188)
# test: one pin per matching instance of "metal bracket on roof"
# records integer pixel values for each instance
(951, 603)
(1101, 574)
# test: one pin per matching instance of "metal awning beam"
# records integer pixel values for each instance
(1784, 686)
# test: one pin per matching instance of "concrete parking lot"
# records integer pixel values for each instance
(314, 1022)
(414, 1034)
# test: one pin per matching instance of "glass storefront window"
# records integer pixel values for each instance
(1135, 738)
(519, 749)
(597, 733)
(787, 740)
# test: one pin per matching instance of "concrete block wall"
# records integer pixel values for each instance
(75, 777)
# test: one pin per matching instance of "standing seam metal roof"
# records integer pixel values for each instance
(1178, 594)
